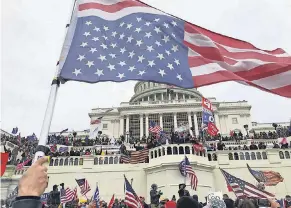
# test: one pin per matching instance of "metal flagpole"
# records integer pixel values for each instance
(41, 149)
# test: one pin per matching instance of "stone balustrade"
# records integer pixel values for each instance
(162, 152)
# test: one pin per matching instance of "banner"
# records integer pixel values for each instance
(208, 121)
(212, 129)
(21, 165)
(4, 160)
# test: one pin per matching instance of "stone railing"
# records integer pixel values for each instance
(173, 149)
(168, 152)
(247, 142)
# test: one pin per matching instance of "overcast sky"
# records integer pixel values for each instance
(32, 36)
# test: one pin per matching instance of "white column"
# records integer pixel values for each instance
(127, 123)
(176, 96)
(217, 122)
(196, 124)
(121, 126)
(147, 125)
(190, 122)
(161, 120)
(148, 98)
(183, 96)
(141, 125)
(170, 96)
(162, 96)
(175, 121)
(155, 97)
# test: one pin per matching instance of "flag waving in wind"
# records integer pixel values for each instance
(96, 197)
(120, 40)
(186, 170)
(131, 198)
(84, 185)
(243, 189)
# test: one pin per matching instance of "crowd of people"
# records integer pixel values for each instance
(35, 181)
(25, 146)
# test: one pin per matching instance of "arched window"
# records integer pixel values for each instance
(106, 160)
(66, 161)
(241, 156)
(51, 162)
(169, 150)
(230, 156)
(209, 157)
(61, 162)
(110, 160)
(163, 151)
(152, 155)
(175, 150)
(71, 161)
(287, 155)
(156, 154)
(253, 156)
(259, 156)
(81, 161)
(235, 156)
(76, 162)
(264, 154)
(160, 153)
(187, 150)
(247, 154)
(100, 160)
(116, 160)
(56, 162)
(96, 161)
(181, 150)
(281, 155)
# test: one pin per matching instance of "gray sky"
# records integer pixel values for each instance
(32, 36)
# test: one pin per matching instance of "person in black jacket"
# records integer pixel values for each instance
(228, 202)
(32, 185)
(182, 191)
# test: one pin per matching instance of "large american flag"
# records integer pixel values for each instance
(66, 195)
(243, 189)
(135, 157)
(186, 170)
(154, 128)
(84, 185)
(131, 198)
(120, 40)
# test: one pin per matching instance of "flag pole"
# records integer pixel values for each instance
(41, 149)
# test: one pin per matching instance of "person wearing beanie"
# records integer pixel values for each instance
(187, 202)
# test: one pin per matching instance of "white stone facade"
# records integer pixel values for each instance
(151, 102)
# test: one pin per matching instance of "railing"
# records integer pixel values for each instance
(174, 149)
(240, 155)
(107, 160)
(66, 161)
(285, 154)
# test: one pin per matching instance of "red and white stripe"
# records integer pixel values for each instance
(215, 58)
(212, 57)
(139, 156)
(67, 196)
(193, 178)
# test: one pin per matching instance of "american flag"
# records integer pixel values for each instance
(186, 170)
(84, 186)
(243, 189)
(75, 193)
(96, 197)
(21, 165)
(154, 128)
(124, 159)
(136, 157)
(131, 198)
(66, 195)
(120, 40)
(97, 121)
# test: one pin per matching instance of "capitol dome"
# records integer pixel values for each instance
(150, 91)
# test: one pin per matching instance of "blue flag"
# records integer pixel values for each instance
(96, 197)
(139, 46)
(14, 130)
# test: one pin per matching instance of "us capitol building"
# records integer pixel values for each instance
(151, 102)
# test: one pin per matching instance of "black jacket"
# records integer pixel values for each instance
(27, 202)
